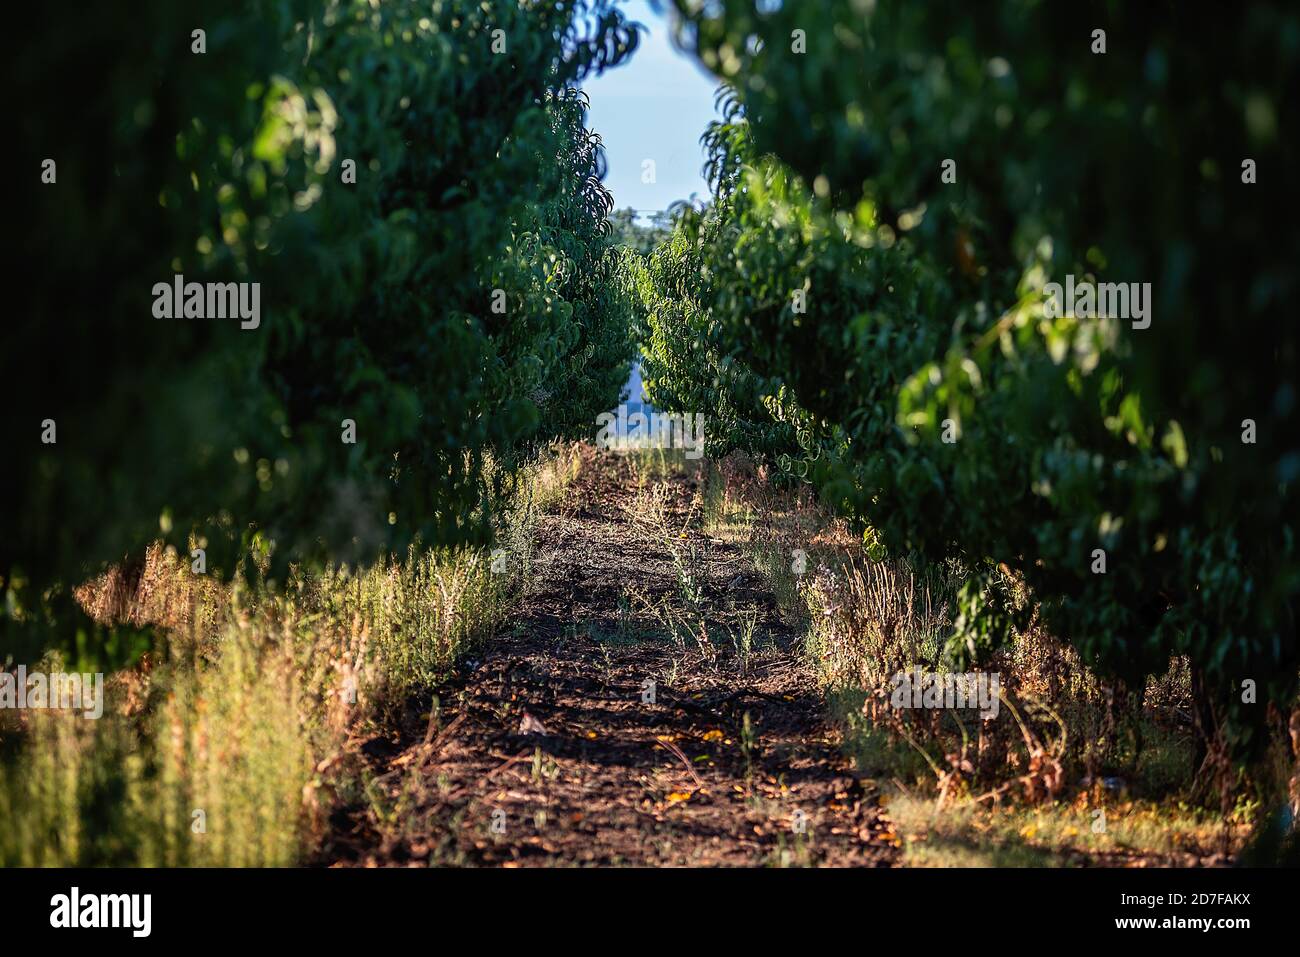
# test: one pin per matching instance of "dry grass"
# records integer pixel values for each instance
(1063, 735)
(1117, 833)
(229, 743)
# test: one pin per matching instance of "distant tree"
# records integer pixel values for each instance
(638, 236)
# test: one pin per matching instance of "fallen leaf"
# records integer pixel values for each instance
(530, 725)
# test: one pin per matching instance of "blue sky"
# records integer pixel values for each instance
(654, 107)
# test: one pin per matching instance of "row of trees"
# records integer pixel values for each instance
(896, 186)
(414, 191)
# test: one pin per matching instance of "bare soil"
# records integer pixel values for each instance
(553, 748)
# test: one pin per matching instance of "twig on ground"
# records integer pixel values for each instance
(699, 785)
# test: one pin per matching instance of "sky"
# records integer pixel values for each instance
(654, 107)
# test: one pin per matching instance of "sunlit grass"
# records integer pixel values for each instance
(231, 741)
(962, 833)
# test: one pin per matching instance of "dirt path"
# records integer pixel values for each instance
(556, 748)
